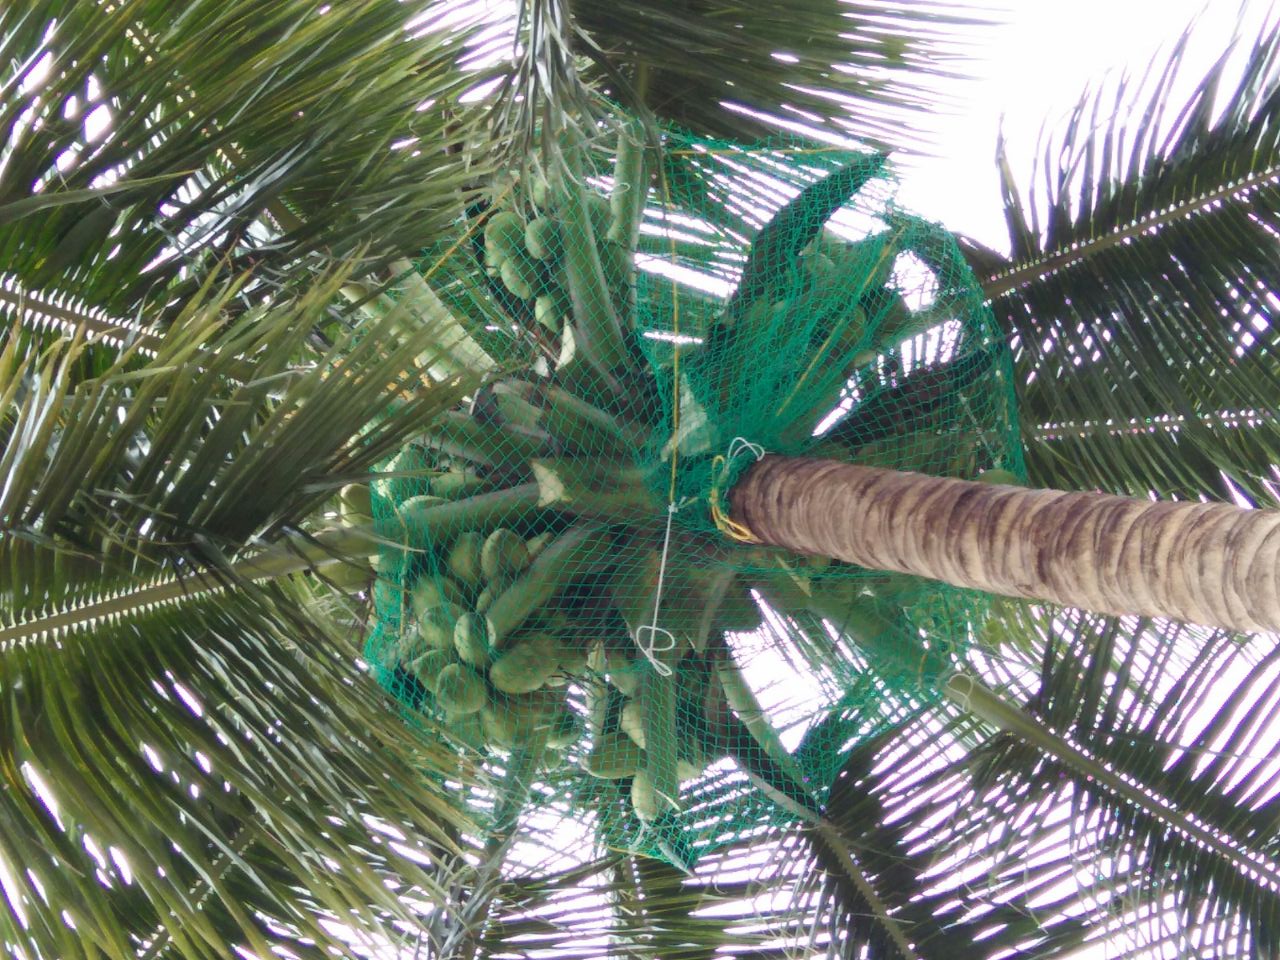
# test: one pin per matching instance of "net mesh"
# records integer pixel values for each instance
(574, 601)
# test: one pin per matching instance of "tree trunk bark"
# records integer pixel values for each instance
(1203, 563)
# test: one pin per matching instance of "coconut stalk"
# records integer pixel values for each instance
(739, 695)
(572, 554)
(581, 428)
(428, 520)
(626, 204)
(589, 488)
(597, 323)
(497, 447)
(1205, 563)
(657, 698)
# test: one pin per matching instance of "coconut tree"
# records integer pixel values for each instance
(192, 759)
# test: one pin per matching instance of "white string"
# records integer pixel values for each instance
(647, 637)
(963, 697)
(742, 445)
(651, 638)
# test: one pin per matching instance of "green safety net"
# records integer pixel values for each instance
(574, 601)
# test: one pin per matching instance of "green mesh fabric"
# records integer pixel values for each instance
(571, 602)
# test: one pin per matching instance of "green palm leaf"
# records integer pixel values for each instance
(1166, 708)
(221, 740)
(140, 145)
(1138, 289)
(737, 70)
(211, 767)
(982, 845)
(155, 450)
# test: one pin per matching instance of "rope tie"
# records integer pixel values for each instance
(720, 468)
(649, 637)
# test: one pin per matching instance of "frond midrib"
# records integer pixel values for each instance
(1021, 274)
(293, 555)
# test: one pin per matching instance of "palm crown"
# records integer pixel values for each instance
(211, 329)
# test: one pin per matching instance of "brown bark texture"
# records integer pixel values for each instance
(1210, 564)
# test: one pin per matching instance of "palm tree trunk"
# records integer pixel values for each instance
(1203, 563)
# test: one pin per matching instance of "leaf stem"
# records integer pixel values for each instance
(1025, 273)
(974, 697)
(295, 554)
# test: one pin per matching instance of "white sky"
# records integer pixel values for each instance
(1032, 69)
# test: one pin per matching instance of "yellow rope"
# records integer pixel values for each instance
(720, 516)
(719, 466)
(675, 342)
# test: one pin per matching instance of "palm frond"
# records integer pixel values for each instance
(172, 452)
(224, 744)
(891, 807)
(1174, 711)
(738, 70)
(979, 844)
(1002, 848)
(140, 145)
(775, 892)
(1139, 287)
(211, 772)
